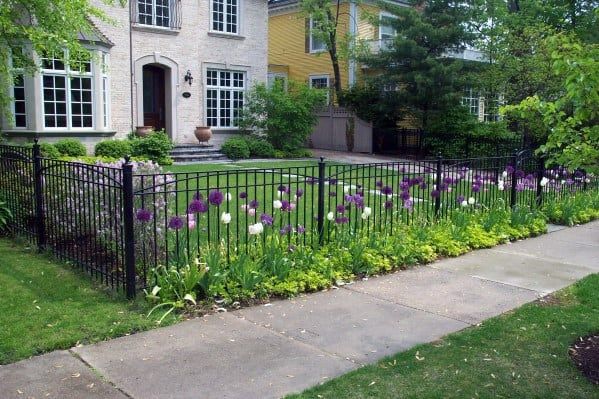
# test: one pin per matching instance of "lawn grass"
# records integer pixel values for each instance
(46, 306)
(522, 354)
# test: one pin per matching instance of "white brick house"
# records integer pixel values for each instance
(141, 74)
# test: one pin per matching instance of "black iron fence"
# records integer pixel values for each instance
(119, 221)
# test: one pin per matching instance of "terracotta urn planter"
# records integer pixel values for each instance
(143, 131)
(203, 134)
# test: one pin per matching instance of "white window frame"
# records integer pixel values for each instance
(14, 103)
(67, 73)
(328, 87)
(469, 98)
(273, 76)
(384, 42)
(314, 50)
(224, 22)
(154, 15)
(105, 95)
(219, 88)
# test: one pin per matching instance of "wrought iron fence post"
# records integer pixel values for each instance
(129, 232)
(320, 215)
(514, 180)
(540, 174)
(38, 189)
(438, 185)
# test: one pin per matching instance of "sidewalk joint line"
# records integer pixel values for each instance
(561, 262)
(97, 373)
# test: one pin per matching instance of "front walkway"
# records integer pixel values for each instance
(272, 350)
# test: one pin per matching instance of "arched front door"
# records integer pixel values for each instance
(154, 96)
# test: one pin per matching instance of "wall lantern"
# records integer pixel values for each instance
(188, 77)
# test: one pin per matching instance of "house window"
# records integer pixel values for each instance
(386, 30)
(317, 45)
(18, 93)
(67, 94)
(105, 88)
(471, 100)
(154, 12)
(224, 97)
(491, 110)
(225, 16)
(321, 82)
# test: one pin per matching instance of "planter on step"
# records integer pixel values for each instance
(203, 134)
(143, 131)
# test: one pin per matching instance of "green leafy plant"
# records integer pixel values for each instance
(236, 148)
(5, 216)
(113, 148)
(259, 147)
(156, 147)
(175, 288)
(70, 148)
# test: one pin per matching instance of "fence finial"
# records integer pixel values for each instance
(127, 159)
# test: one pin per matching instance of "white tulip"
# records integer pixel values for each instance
(346, 189)
(228, 196)
(471, 200)
(500, 185)
(504, 174)
(464, 203)
(277, 204)
(279, 194)
(255, 229)
(330, 216)
(225, 218)
(367, 211)
(544, 181)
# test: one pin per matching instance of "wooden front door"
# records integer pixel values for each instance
(154, 97)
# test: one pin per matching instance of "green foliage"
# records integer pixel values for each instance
(236, 148)
(582, 207)
(155, 147)
(259, 148)
(572, 118)
(286, 115)
(70, 148)
(47, 150)
(113, 148)
(5, 216)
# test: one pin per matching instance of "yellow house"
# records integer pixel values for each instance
(294, 53)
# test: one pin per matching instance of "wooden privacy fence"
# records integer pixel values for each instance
(330, 133)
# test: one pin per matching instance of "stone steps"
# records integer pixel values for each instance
(196, 153)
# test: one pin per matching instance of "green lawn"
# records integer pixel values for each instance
(46, 306)
(523, 354)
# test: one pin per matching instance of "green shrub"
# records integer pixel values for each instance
(5, 216)
(113, 148)
(298, 153)
(260, 148)
(236, 148)
(47, 150)
(70, 148)
(156, 147)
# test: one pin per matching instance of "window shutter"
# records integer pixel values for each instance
(307, 38)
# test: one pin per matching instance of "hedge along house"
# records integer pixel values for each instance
(170, 64)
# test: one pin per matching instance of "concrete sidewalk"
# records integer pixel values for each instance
(271, 350)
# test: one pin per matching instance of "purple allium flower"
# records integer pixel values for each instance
(460, 199)
(520, 187)
(332, 181)
(299, 192)
(423, 185)
(404, 185)
(408, 204)
(443, 187)
(360, 193)
(569, 181)
(379, 183)
(197, 206)
(332, 194)
(215, 197)
(520, 174)
(386, 190)
(388, 204)
(435, 193)
(509, 169)
(475, 188)
(266, 219)
(578, 174)
(448, 180)
(285, 206)
(300, 229)
(340, 208)
(359, 201)
(285, 230)
(530, 176)
(143, 215)
(405, 195)
(282, 188)
(176, 223)
(243, 195)
(254, 204)
(341, 220)
(348, 198)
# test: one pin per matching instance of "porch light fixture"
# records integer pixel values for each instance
(188, 77)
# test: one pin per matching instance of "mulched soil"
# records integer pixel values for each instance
(585, 355)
